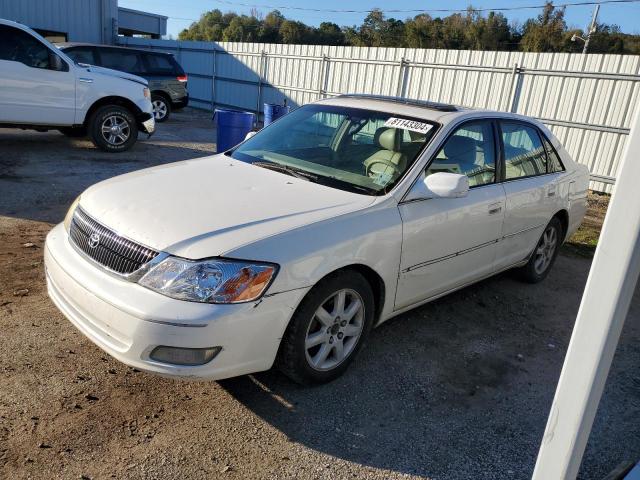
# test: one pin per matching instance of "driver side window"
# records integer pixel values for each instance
(469, 151)
(18, 46)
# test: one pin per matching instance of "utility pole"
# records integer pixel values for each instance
(592, 27)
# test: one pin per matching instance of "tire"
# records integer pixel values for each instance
(113, 116)
(73, 132)
(310, 337)
(545, 253)
(161, 107)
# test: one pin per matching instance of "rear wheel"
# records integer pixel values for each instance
(327, 329)
(161, 108)
(544, 254)
(113, 128)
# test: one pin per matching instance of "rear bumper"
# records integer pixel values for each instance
(128, 321)
(181, 102)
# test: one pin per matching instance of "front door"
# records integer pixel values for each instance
(35, 90)
(449, 242)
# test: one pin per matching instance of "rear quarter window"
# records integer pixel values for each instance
(161, 64)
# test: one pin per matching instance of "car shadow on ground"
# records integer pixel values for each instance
(463, 385)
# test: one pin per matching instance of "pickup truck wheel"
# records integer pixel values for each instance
(327, 330)
(161, 108)
(113, 128)
(74, 132)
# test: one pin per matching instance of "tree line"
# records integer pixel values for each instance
(472, 30)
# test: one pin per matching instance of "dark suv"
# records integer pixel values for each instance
(167, 80)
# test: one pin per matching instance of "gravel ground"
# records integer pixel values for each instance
(457, 389)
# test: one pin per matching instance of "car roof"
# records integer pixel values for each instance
(432, 111)
(63, 45)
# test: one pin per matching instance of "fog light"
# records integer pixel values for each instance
(184, 356)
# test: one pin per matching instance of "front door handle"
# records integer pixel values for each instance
(495, 208)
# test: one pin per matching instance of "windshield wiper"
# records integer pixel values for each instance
(294, 172)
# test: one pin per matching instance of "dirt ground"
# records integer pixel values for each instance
(457, 389)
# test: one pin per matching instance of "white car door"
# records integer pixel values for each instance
(38, 86)
(532, 196)
(449, 242)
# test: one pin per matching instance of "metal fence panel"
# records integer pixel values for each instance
(588, 101)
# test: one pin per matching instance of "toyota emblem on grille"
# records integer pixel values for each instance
(94, 240)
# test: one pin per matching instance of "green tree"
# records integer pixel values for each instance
(546, 33)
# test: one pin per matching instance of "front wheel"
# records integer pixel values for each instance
(113, 128)
(327, 329)
(544, 254)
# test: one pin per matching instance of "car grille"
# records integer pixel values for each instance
(106, 247)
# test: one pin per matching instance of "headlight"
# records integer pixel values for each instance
(69, 216)
(146, 92)
(209, 281)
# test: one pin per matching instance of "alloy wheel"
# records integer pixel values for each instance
(115, 129)
(159, 109)
(546, 250)
(334, 331)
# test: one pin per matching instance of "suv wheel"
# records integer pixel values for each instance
(327, 329)
(113, 128)
(161, 108)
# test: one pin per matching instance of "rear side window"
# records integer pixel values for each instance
(554, 164)
(18, 46)
(121, 59)
(82, 55)
(524, 155)
(161, 64)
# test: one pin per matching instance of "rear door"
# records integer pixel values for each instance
(449, 242)
(531, 191)
(37, 86)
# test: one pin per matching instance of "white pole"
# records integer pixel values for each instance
(605, 303)
(592, 28)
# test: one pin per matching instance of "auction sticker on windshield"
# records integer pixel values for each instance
(405, 124)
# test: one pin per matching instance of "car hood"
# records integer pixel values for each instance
(116, 73)
(212, 205)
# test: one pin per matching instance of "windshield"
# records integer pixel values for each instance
(364, 151)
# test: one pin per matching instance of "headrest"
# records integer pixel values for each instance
(386, 138)
(458, 147)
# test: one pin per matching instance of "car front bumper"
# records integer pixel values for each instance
(148, 123)
(128, 321)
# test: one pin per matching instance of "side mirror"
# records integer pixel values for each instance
(439, 185)
(56, 63)
(448, 185)
(250, 134)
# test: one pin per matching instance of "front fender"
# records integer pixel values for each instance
(370, 237)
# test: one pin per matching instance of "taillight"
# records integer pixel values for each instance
(182, 78)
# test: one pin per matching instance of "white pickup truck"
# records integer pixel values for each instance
(43, 89)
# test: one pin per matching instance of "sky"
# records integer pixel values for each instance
(182, 13)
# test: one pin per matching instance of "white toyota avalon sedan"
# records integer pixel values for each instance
(290, 247)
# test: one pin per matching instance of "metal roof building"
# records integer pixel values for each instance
(93, 21)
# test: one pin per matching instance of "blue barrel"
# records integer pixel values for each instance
(272, 112)
(232, 127)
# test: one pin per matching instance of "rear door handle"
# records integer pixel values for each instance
(551, 191)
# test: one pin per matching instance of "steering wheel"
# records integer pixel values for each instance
(386, 163)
